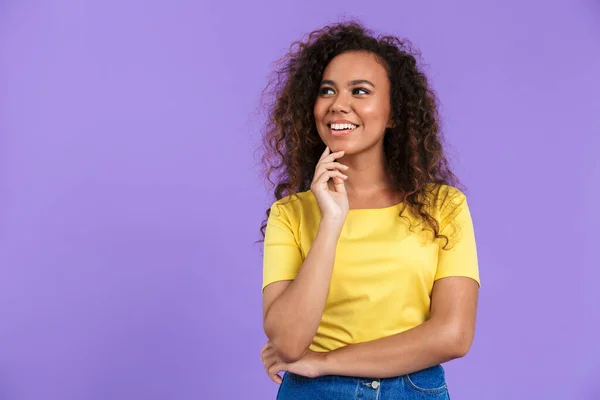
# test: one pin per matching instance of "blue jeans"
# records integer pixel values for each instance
(428, 384)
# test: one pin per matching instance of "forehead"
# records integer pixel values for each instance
(355, 65)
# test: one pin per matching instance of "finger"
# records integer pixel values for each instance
(274, 377)
(332, 166)
(270, 362)
(266, 347)
(270, 352)
(321, 181)
(274, 372)
(272, 368)
(333, 156)
(270, 357)
(325, 153)
(338, 185)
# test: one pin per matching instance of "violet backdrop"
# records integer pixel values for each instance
(130, 198)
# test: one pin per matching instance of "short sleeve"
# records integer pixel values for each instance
(460, 256)
(282, 256)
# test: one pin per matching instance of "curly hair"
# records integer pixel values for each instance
(413, 147)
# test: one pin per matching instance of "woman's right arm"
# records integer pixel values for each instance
(292, 310)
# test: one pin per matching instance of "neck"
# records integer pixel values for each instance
(367, 175)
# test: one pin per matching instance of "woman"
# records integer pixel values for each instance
(370, 276)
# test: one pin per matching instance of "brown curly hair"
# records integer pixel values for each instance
(413, 147)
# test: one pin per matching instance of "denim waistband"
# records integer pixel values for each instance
(429, 383)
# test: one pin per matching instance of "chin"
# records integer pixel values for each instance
(342, 146)
(334, 148)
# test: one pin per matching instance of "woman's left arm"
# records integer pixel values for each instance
(446, 335)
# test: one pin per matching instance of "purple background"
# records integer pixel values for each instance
(130, 199)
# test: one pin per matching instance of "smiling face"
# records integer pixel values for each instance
(352, 110)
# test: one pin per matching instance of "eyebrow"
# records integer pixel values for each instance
(351, 83)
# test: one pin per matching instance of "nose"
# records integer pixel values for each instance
(340, 104)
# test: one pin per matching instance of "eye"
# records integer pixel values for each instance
(325, 91)
(357, 91)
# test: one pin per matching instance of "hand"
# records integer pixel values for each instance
(310, 365)
(332, 201)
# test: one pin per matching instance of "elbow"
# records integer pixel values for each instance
(459, 341)
(289, 352)
(288, 348)
(461, 348)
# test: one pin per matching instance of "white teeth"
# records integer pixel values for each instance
(342, 127)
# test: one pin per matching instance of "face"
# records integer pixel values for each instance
(352, 110)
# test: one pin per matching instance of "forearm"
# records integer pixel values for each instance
(292, 321)
(428, 344)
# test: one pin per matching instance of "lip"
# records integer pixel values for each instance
(341, 121)
(344, 132)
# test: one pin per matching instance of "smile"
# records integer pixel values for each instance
(341, 129)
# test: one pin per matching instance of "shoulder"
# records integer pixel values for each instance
(295, 205)
(444, 199)
(444, 193)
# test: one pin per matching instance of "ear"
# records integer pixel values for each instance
(391, 124)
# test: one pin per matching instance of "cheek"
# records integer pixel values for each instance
(319, 110)
(374, 113)
(369, 113)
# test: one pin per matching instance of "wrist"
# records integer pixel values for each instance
(331, 226)
(325, 363)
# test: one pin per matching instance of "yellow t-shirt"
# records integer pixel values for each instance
(383, 273)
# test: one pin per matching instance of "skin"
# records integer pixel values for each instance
(351, 174)
(355, 87)
(292, 310)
